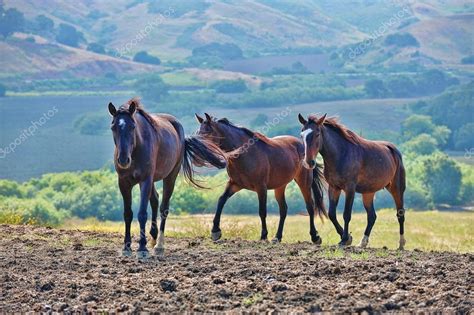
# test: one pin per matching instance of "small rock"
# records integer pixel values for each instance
(279, 287)
(168, 285)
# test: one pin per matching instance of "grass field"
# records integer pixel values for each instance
(427, 230)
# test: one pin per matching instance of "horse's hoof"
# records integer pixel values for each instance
(276, 240)
(364, 241)
(143, 254)
(317, 240)
(216, 235)
(348, 242)
(159, 251)
(126, 252)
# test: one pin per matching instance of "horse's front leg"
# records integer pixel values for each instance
(346, 237)
(126, 191)
(230, 190)
(145, 192)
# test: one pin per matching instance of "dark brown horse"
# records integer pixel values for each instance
(354, 164)
(258, 163)
(149, 148)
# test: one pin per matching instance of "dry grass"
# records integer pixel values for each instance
(426, 230)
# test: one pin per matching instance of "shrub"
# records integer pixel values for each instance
(152, 88)
(229, 86)
(92, 124)
(422, 144)
(144, 57)
(375, 88)
(464, 137)
(401, 40)
(469, 60)
(3, 90)
(68, 35)
(96, 47)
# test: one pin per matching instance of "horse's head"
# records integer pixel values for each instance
(209, 128)
(124, 133)
(312, 139)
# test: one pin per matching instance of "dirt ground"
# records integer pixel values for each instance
(55, 270)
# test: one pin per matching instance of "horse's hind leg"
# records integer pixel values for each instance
(368, 200)
(154, 202)
(168, 188)
(262, 211)
(280, 198)
(397, 195)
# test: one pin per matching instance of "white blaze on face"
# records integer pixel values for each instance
(304, 135)
(122, 123)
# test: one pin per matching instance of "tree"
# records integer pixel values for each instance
(153, 88)
(229, 86)
(442, 176)
(401, 86)
(401, 40)
(96, 47)
(44, 23)
(469, 60)
(420, 124)
(375, 88)
(3, 90)
(68, 35)
(11, 21)
(464, 137)
(144, 57)
(422, 144)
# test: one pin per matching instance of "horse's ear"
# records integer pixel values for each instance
(208, 117)
(302, 120)
(112, 109)
(132, 107)
(199, 118)
(321, 120)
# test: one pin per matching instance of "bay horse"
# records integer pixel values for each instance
(150, 148)
(258, 163)
(353, 164)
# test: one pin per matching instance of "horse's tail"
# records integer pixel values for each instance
(201, 152)
(317, 186)
(400, 176)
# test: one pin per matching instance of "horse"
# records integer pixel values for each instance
(150, 148)
(259, 164)
(354, 164)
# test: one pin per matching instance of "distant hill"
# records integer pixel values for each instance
(256, 26)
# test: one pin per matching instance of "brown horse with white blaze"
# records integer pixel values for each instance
(353, 164)
(258, 163)
(150, 148)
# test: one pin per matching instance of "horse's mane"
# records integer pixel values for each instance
(248, 132)
(335, 124)
(140, 109)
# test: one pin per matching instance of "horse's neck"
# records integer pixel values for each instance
(233, 138)
(333, 146)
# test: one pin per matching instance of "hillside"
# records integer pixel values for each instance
(171, 29)
(45, 59)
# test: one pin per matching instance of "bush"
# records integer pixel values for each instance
(68, 35)
(152, 88)
(28, 211)
(144, 57)
(469, 60)
(401, 86)
(442, 177)
(401, 40)
(464, 137)
(10, 188)
(229, 86)
(92, 124)
(422, 144)
(3, 90)
(223, 51)
(375, 88)
(96, 47)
